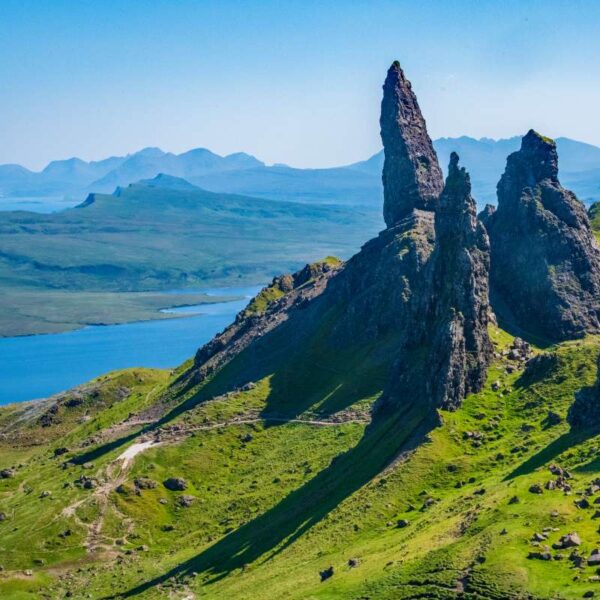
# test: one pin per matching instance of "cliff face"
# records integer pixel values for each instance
(412, 177)
(460, 304)
(420, 287)
(545, 267)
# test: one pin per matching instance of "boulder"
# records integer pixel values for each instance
(185, 501)
(570, 540)
(175, 484)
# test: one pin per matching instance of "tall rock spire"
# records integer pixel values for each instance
(461, 349)
(545, 264)
(412, 177)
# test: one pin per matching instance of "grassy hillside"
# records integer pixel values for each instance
(151, 237)
(288, 477)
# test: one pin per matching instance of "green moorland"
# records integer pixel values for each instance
(290, 476)
(56, 268)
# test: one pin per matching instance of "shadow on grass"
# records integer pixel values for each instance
(280, 526)
(559, 445)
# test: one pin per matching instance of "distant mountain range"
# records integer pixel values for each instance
(240, 173)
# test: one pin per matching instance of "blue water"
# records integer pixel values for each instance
(40, 365)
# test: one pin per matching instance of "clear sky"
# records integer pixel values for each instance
(294, 82)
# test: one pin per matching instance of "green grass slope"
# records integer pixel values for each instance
(288, 477)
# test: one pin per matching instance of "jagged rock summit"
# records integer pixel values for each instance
(412, 177)
(545, 264)
(418, 293)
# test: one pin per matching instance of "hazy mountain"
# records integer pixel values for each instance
(149, 162)
(75, 177)
(240, 173)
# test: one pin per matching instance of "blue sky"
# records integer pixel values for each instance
(295, 82)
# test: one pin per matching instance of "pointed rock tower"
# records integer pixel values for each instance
(545, 264)
(412, 177)
(461, 346)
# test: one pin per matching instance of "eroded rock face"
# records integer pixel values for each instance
(412, 177)
(545, 265)
(417, 294)
(460, 302)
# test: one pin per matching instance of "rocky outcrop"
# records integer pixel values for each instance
(418, 293)
(461, 348)
(545, 265)
(412, 177)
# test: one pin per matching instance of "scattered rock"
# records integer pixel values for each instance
(570, 540)
(353, 562)
(536, 488)
(594, 559)
(429, 502)
(583, 503)
(145, 483)
(175, 484)
(45, 494)
(540, 555)
(6, 473)
(326, 573)
(514, 500)
(402, 523)
(185, 501)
